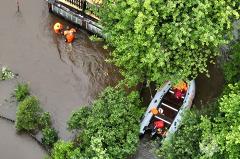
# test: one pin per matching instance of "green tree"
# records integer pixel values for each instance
(21, 92)
(79, 118)
(162, 40)
(221, 138)
(97, 148)
(50, 136)
(63, 150)
(45, 120)
(185, 142)
(28, 114)
(110, 129)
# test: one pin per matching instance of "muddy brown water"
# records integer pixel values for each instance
(63, 76)
(17, 146)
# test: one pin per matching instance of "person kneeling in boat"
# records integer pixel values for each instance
(156, 111)
(58, 27)
(159, 128)
(69, 35)
(180, 89)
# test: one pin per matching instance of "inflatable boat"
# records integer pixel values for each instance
(166, 110)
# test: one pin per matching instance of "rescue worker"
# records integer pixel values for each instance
(180, 89)
(156, 111)
(58, 27)
(159, 128)
(69, 35)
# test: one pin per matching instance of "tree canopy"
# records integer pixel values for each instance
(162, 40)
(28, 114)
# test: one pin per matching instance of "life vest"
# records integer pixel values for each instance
(70, 37)
(182, 86)
(57, 27)
(69, 34)
(178, 94)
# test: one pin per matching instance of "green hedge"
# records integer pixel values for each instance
(28, 114)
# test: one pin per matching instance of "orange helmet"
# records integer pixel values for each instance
(154, 111)
(57, 27)
(182, 86)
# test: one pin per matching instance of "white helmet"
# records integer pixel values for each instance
(160, 110)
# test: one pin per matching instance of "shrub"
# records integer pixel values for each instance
(45, 120)
(50, 136)
(62, 150)
(21, 92)
(78, 118)
(28, 114)
(113, 123)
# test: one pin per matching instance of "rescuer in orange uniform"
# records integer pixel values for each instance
(58, 27)
(180, 89)
(69, 35)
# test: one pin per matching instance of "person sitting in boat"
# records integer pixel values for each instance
(69, 35)
(180, 89)
(162, 132)
(58, 27)
(159, 128)
(156, 111)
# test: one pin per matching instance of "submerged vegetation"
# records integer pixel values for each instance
(50, 136)
(31, 118)
(6, 74)
(28, 114)
(21, 92)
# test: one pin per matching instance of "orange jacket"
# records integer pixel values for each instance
(70, 38)
(69, 34)
(182, 86)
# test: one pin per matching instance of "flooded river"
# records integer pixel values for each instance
(13, 146)
(63, 76)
